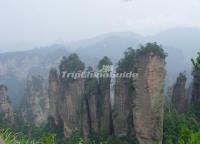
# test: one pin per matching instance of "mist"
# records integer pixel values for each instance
(27, 24)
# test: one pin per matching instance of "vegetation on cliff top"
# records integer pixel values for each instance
(196, 63)
(71, 64)
(127, 63)
(151, 47)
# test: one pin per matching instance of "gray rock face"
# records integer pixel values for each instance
(35, 106)
(90, 116)
(65, 103)
(6, 110)
(196, 89)
(54, 96)
(104, 107)
(148, 111)
(179, 97)
(70, 111)
(79, 110)
(122, 107)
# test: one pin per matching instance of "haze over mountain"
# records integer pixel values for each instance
(181, 44)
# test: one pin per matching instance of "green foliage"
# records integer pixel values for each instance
(71, 64)
(104, 61)
(102, 88)
(53, 73)
(127, 64)
(151, 47)
(182, 76)
(76, 138)
(196, 63)
(48, 139)
(181, 128)
(10, 137)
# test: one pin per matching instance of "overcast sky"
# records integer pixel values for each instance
(49, 21)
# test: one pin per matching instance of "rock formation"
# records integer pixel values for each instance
(196, 88)
(35, 105)
(6, 111)
(122, 113)
(104, 107)
(179, 97)
(71, 100)
(54, 95)
(65, 103)
(81, 105)
(79, 108)
(148, 111)
(168, 99)
(84, 105)
(90, 109)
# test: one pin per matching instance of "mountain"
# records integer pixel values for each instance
(16, 66)
(185, 39)
(180, 43)
(112, 45)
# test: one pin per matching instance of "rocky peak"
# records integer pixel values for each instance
(36, 103)
(6, 110)
(196, 88)
(123, 102)
(148, 110)
(179, 96)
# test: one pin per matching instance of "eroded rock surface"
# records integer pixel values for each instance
(148, 111)
(35, 107)
(179, 97)
(6, 110)
(65, 103)
(123, 102)
(196, 89)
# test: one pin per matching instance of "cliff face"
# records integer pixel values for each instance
(84, 105)
(148, 111)
(104, 107)
(54, 95)
(70, 111)
(16, 66)
(196, 89)
(122, 114)
(35, 106)
(66, 103)
(90, 109)
(90, 116)
(179, 97)
(81, 105)
(6, 111)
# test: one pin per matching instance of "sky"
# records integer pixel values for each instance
(43, 22)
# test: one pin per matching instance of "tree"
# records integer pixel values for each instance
(127, 64)
(152, 47)
(196, 63)
(104, 61)
(71, 64)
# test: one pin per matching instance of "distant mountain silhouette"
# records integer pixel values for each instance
(181, 44)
